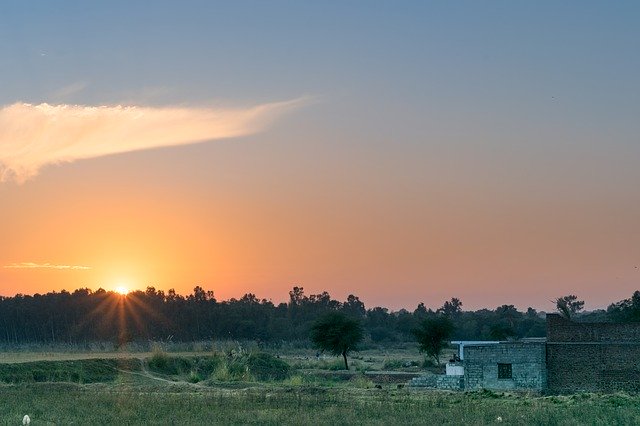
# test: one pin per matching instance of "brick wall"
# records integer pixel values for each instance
(560, 329)
(592, 356)
(450, 382)
(527, 362)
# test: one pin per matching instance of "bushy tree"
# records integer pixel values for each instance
(432, 335)
(337, 333)
(627, 310)
(569, 305)
(451, 308)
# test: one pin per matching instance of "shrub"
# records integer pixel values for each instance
(392, 364)
(162, 363)
(267, 367)
(331, 365)
(361, 381)
(234, 371)
(194, 377)
(296, 380)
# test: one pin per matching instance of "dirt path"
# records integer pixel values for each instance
(149, 375)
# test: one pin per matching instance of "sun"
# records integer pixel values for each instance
(122, 290)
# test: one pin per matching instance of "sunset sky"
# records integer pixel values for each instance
(401, 151)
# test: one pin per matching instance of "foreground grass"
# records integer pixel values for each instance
(128, 401)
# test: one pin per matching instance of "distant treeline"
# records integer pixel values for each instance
(100, 316)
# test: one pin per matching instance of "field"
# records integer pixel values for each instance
(206, 388)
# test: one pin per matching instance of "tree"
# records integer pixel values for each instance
(509, 314)
(432, 335)
(354, 307)
(501, 331)
(451, 308)
(337, 333)
(569, 305)
(627, 310)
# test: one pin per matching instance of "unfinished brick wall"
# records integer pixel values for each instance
(592, 356)
(527, 362)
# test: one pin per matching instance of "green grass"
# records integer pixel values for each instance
(212, 389)
(50, 403)
(220, 367)
(80, 371)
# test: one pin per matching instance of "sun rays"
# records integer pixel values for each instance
(122, 314)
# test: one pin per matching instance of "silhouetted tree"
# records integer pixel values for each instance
(354, 307)
(432, 335)
(501, 331)
(451, 308)
(627, 310)
(85, 316)
(569, 305)
(337, 333)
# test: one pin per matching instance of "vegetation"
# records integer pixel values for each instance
(627, 310)
(237, 366)
(337, 333)
(267, 367)
(81, 371)
(569, 305)
(433, 335)
(182, 389)
(153, 403)
(85, 319)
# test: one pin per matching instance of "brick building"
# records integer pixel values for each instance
(506, 366)
(597, 357)
(575, 357)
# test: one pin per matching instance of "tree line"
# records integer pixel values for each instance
(100, 316)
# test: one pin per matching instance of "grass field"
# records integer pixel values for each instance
(139, 403)
(161, 390)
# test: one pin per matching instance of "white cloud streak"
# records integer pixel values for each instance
(31, 265)
(69, 90)
(33, 136)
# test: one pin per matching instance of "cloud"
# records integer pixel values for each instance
(31, 265)
(69, 90)
(32, 136)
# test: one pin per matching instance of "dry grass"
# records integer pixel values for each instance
(131, 402)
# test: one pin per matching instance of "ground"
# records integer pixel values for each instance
(124, 391)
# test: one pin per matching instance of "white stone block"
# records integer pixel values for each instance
(454, 370)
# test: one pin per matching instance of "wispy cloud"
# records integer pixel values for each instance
(32, 136)
(69, 90)
(31, 265)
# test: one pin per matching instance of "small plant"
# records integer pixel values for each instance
(361, 382)
(221, 373)
(361, 368)
(231, 370)
(160, 362)
(335, 365)
(194, 377)
(296, 380)
(391, 364)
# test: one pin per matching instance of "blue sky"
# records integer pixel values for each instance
(516, 117)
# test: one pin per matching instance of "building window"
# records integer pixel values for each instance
(504, 371)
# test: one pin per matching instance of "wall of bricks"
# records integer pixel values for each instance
(450, 382)
(428, 380)
(560, 329)
(528, 366)
(595, 357)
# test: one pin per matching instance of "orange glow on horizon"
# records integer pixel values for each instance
(122, 290)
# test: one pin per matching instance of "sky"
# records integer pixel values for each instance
(404, 152)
